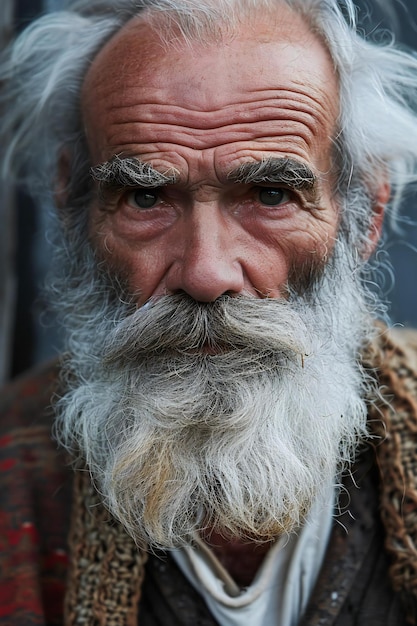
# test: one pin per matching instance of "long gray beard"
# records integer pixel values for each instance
(236, 414)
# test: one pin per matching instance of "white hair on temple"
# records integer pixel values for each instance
(44, 72)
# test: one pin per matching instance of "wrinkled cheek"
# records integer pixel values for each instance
(304, 272)
(113, 262)
(307, 260)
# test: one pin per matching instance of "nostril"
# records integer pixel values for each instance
(178, 292)
(231, 294)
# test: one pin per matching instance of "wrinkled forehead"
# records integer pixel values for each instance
(211, 67)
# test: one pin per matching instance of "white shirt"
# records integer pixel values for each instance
(283, 583)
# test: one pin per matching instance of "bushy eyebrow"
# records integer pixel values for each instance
(278, 171)
(121, 173)
(129, 172)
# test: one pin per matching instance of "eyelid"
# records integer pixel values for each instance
(110, 196)
(268, 185)
(288, 194)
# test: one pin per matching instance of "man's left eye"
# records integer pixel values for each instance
(143, 198)
(271, 196)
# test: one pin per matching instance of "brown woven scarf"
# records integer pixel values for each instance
(107, 568)
(394, 422)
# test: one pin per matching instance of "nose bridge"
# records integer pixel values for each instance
(207, 235)
(209, 264)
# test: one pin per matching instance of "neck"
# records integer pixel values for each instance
(241, 559)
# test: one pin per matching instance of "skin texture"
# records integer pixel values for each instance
(199, 112)
(202, 111)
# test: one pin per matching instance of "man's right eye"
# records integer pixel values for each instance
(143, 198)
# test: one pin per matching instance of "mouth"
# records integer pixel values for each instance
(209, 349)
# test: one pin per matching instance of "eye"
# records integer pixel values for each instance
(143, 198)
(273, 196)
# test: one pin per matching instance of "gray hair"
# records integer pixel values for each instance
(45, 68)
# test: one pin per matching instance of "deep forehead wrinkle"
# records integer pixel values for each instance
(119, 173)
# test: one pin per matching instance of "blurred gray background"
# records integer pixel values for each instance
(28, 335)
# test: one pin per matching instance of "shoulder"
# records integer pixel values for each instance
(35, 498)
(406, 341)
(394, 361)
(28, 398)
(32, 468)
(26, 418)
(29, 457)
(27, 448)
(392, 349)
(393, 426)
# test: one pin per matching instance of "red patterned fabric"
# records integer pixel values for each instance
(35, 499)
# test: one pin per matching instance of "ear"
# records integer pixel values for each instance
(381, 199)
(62, 180)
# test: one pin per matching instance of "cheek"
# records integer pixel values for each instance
(293, 247)
(316, 242)
(311, 253)
(139, 265)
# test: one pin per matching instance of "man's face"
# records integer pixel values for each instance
(213, 176)
(198, 113)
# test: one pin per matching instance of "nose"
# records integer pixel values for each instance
(208, 264)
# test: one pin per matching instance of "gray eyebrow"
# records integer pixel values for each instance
(121, 173)
(285, 171)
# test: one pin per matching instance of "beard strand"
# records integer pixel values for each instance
(235, 414)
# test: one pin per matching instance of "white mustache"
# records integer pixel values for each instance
(178, 323)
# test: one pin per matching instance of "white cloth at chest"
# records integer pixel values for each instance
(283, 584)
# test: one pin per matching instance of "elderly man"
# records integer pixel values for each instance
(236, 432)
